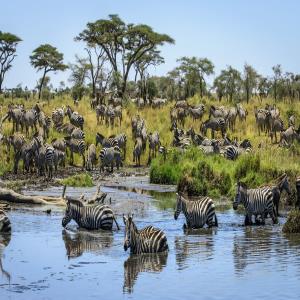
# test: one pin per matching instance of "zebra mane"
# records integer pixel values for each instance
(74, 201)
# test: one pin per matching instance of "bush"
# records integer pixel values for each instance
(292, 224)
(79, 180)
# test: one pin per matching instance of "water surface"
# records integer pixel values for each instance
(41, 260)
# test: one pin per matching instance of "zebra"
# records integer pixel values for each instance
(277, 189)
(5, 225)
(15, 114)
(27, 153)
(257, 202)
(154, 143)
(262, 117)
(45, 123)
(29, 120)
(197, 112)
(118, 113)
(59, 158)
(59, 144)
(289, 135)
(110, 157)
(211, 149)
(91, 159)
(45, 160)
(93, 103)
(231, 117)
(75, 118)
(16, 141)
(66, 128)
(110, 116)
(197, 213)
(242, 112)
(57, 116)
(276, 126)
(137, 151)
(122, 142)
(99, 216)
(218, 112)
(197, 139)
(215, 124)
(135, 264)
(182, 104)
(100, 113)
(147, 240)
(76, 146)
(232, 152)
(105, 142)
(181, 115)
(298, 191)
(78, 134)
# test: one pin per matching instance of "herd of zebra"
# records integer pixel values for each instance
(262, 202)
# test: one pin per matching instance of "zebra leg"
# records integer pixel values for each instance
(274, 217)
(248, 220)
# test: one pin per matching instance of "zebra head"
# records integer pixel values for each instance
(283, 184)
(129, 227)
(178, 207)
(240, 191)
(69, 211)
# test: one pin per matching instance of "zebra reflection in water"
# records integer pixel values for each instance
(76, 243)
(191, 247)
(147, 262)
(4, 241)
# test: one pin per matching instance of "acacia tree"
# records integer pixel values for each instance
(249, 81)
(195, 69)
(123, 43)
(8, 47)
(230, 82)
(46, 58)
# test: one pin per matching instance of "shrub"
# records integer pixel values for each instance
(78, 180)
(292, 224)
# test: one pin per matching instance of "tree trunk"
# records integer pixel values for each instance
(42, 83)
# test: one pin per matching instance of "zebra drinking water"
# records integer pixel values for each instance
(89, 216)
(147, 240)
(197, 213)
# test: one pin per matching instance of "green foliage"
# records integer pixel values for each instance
(78, 180)
(292, 224)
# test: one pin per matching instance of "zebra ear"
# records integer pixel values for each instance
(124, 219)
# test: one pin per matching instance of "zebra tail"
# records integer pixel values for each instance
(118, 227)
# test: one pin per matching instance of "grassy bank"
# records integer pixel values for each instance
(272, 159)
(215, 176)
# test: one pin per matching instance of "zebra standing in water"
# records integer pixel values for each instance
(197, 213)
(147, 240)
(257, 202)
(89, 216)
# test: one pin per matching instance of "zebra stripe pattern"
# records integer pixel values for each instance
(76, 146)
(257, 202)
(197, 213)
(147, 240)
(5, 225)
(106, 142)
(110, 157)
(89, 216)
(75, 118)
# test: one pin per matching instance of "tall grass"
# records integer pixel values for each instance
(158, 119)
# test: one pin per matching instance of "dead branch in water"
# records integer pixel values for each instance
(14, 197)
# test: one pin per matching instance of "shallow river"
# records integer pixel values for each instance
(43, 261)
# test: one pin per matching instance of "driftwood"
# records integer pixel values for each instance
(14, 197)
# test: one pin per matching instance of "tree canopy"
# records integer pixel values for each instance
(46, 58)
(124, 44)
(8, 48)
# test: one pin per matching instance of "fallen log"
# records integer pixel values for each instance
(14, 197)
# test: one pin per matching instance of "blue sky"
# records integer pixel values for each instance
(262, 33)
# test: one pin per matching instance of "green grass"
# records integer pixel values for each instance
(272, 159)
(212, 175)
(78, 180)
